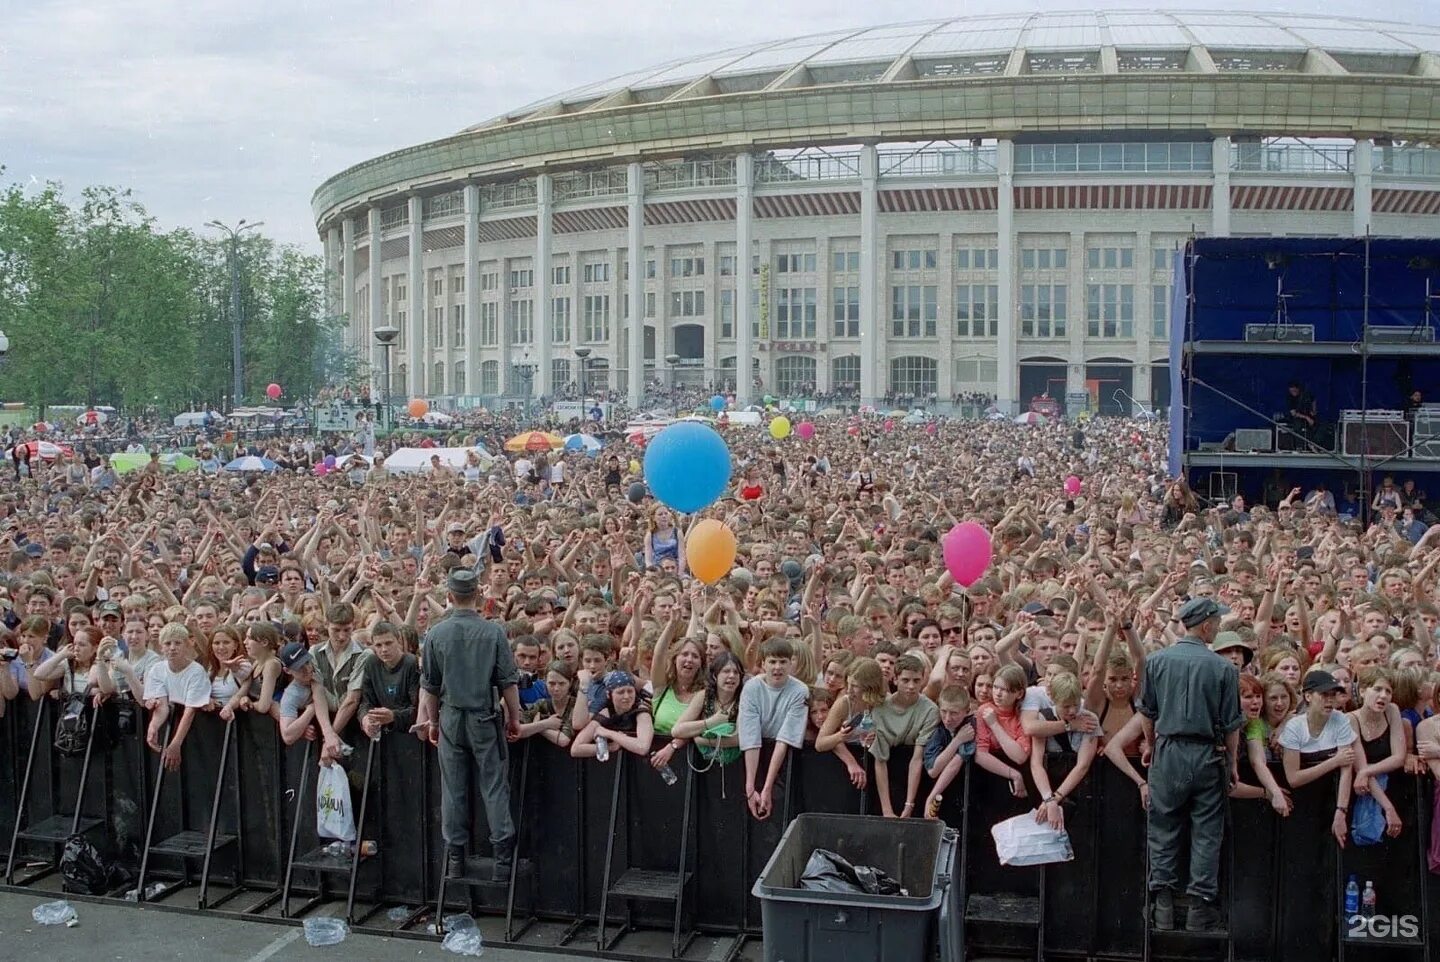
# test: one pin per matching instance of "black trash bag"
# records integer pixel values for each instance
(829, 872)
(83, 868)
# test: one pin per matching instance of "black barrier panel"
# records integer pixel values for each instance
(1070, 887)
(11, 759)
(1253, 836)
(722, 889)
(552, 832)
(823, 785)
(990, 801)
(762, 837)
(1396, 866)
(1306, 894)
(1119, 866)
(648, 834)
(400, 793)
(259, 758)
(598, 782)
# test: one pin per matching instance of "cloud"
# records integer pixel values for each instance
(209, 108)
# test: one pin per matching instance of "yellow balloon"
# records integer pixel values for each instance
(710, 550)
(634, 466)
(780, 428)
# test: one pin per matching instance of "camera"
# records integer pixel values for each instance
(527, 679)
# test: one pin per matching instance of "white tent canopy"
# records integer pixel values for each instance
(416, 460)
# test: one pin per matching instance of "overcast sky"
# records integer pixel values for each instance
(222, 109)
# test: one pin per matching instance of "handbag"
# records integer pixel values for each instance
(334, 816)
(1367, 819)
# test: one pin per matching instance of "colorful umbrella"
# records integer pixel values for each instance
(251, 463)
(534, 441)
(1031, 417)
(583, 442)
(44, 450)
(92, 418)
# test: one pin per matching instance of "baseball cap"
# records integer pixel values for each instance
(109, 608)
(267, 575)
(792, 570)
(294, 656)
(1037, 608)
(1320, 681)
(455, 527)
(35, 550)
(1198, 610)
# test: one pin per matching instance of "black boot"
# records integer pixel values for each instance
(455, 862)
(1204, 917)
(1163, 906)
(504, 861)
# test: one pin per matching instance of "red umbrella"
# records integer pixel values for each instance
(44, 450)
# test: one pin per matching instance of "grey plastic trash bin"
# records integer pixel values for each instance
(805, 926)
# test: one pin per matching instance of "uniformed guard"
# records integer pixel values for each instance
(1191, 707)
(466, 661)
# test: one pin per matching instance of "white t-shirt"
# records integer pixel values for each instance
(189, 687)
(557, 472)
(1337, 733)
(522, 469)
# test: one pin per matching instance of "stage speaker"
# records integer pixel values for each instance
(1377, 439)
(1253, 439)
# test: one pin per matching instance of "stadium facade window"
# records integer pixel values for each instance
(437, 326)
(489, 324)
(1160, 310)
(522, 321)
(977, 310)
(1043, 310)
(727, 313)
(845, 373)
(913, 260)
(522, 278)
(490, 377)
(489, 280)
(560, 274)
(913, 310)
(560, 320)
(560, 371)
(1044, 259)
(845, 311)
(795, 374)
(457, 377)
(977, 259)
(457, 320)
(795, 264)
(1109, 258)
(916, 376)
(687, 267)
(437, 378)
(844, 262)
(795, 313)
(1110, 310)
(686, 304)
(976, 373)
(595, 319)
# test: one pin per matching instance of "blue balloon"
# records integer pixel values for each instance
(687, 466)
(717, 403)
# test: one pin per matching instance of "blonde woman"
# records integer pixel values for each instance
(848, 721)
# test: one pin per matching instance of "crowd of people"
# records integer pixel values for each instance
(315, 599)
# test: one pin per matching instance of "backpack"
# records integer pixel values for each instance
(86, 871)
(72, 731)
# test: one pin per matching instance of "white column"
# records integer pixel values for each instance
(417, 353)
(1006, 374)
(543, 232)
(372, 349)
(635, 323)
(472, 289)
(347, 282)
(1364, 168)
(1141, 385)
(333, 279)
(1220, 195)
(870, 326)
(744, 230)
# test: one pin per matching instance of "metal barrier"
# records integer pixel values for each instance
(591, 833)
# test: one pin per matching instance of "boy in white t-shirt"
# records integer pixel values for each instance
(772, 705)
(182, 682)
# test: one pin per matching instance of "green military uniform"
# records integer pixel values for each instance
(1192, 696)
(467, 662)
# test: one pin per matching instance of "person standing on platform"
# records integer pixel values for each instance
(466, 661)
(1191, 712)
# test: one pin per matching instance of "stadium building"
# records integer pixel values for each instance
(979, 205)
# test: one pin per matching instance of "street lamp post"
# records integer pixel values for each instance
(527, 378)
(385, 336)
(583, 353)
(237, 358)
(671, 360)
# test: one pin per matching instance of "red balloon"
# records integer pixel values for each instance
(273, 391)
(967, 552)
(853, 430)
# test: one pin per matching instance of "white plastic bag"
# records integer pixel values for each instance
(1023, 841)
(334, 816)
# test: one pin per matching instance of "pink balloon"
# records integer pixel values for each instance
(273, 391)
(930, 428)
(806, 430)
(1072, 486)
(889, 426)
(322, 469)
(967, 552)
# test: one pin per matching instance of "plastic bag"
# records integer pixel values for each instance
(83, 868)
(53, 913)
(828, 872)
(462, 937)
(334, 817)
(1367, 819)
(1023, 841)
(321, 931)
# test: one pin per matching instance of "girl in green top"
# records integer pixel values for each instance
(1264, 715)
(676, 676)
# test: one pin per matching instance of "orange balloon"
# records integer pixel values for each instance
(418, 407)
(710, 550)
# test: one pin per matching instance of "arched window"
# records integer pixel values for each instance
(914, 376)
(490, 377)
(795, 375)
(457, 379)
(400, 385)
(437, 379)
(845, 374)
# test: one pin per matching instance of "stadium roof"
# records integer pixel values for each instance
(1122, 41)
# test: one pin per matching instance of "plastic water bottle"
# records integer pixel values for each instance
(1367, 900)
(602, 749)
(1352, 898)
(322, 931)
(53, 913)
(667, 774)
(867, 724)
